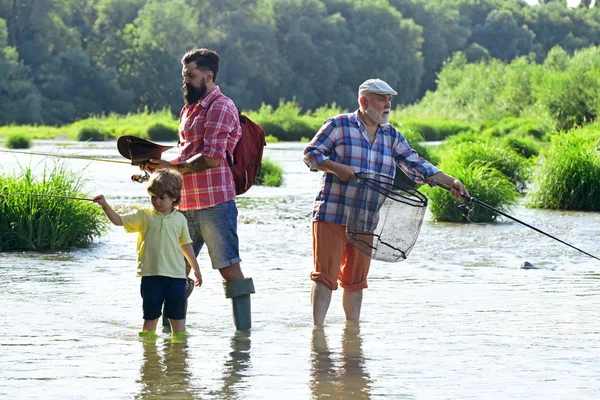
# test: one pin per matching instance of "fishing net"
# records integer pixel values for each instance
(385, 218)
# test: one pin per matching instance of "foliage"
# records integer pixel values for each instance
(527, 147)
(18, 141)
(568, 175)
(113, 124)
(90, 133)
(46, 223)
(491, 154)
(432, 129)
(161, 132)
(66, 60)
(270, 173)
(484, 183)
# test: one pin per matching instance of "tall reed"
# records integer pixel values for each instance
(46, 223)
(568, 176)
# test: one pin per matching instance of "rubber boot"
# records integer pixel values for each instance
(178, 337)
(239, 292)
(149, 336)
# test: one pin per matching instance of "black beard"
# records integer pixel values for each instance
(191, 94)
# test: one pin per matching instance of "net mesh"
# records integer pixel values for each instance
(385, 218)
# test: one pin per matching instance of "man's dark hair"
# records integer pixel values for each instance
(205, 59)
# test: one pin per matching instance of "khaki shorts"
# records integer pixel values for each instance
(335, 259)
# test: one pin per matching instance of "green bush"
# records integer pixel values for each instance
(46, 223)
(88, 133)
(568, 176)
(484, 183)
(433, 129)
(17, 141)
(270, 174)
(518, 126)
(162, 132)
(528, 147)
(491, 153)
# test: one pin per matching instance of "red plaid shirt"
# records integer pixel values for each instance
(211, 127)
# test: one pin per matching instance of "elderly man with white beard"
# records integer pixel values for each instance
(346, 144)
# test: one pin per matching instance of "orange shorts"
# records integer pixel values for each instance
(336, 259)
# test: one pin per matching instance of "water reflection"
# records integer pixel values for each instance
(233, 371)
(340, 376)
(166, 373)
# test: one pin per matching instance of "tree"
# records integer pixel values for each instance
(20, 102)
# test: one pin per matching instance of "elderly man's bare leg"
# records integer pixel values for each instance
(320, 299)
(352, 302)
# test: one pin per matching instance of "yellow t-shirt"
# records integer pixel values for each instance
(159, 241)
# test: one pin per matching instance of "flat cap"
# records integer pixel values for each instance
(139, 150)
(375, 86)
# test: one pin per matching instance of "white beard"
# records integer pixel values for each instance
(379, 117)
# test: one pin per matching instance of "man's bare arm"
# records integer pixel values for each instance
(197, 163)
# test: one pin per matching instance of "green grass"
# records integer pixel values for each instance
(487, 152)
(46, 223)
(484, 183)
(568, 176)
(113, 125)
(270, 173)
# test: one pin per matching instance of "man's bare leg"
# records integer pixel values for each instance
(320, 300)
(232, 273)
(352, 302)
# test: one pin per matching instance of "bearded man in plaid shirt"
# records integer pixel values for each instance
(363, 141)
(208, 132)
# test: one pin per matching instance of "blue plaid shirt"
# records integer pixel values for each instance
(344, 139)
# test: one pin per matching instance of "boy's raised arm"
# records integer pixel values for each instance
(110, 213)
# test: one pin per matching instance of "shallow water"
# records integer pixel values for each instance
(457, 320)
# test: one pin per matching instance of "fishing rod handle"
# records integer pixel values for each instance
(449, 188)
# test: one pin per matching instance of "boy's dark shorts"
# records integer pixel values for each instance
(156, 290)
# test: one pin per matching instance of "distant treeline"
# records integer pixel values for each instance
(63, 60)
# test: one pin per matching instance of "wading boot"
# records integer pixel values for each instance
(239, 292)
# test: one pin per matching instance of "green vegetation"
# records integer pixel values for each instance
(18, 141)
(560, 94)
(568, 176)
(484, 183)
(270, 173)
(89, 133)
(46, 223)
(65, 60)
(162, 132)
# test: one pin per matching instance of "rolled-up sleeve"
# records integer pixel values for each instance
(413, 165)
(319, 148)
(220, 121)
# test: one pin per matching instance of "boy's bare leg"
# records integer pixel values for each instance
(320, 299)
(177, 325)
(149, 325)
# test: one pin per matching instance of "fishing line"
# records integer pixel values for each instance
(481, 203)
(46, 195)
(65, 156)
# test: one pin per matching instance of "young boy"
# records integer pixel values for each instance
(163, 242)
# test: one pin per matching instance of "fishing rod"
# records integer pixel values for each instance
(140, 178)
(481, 203)
(65, 156)
(47, 195)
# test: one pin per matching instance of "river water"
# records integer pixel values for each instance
(457, 320)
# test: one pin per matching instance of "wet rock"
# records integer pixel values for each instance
(527, 265)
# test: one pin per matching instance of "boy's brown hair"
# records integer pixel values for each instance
(166, 182)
